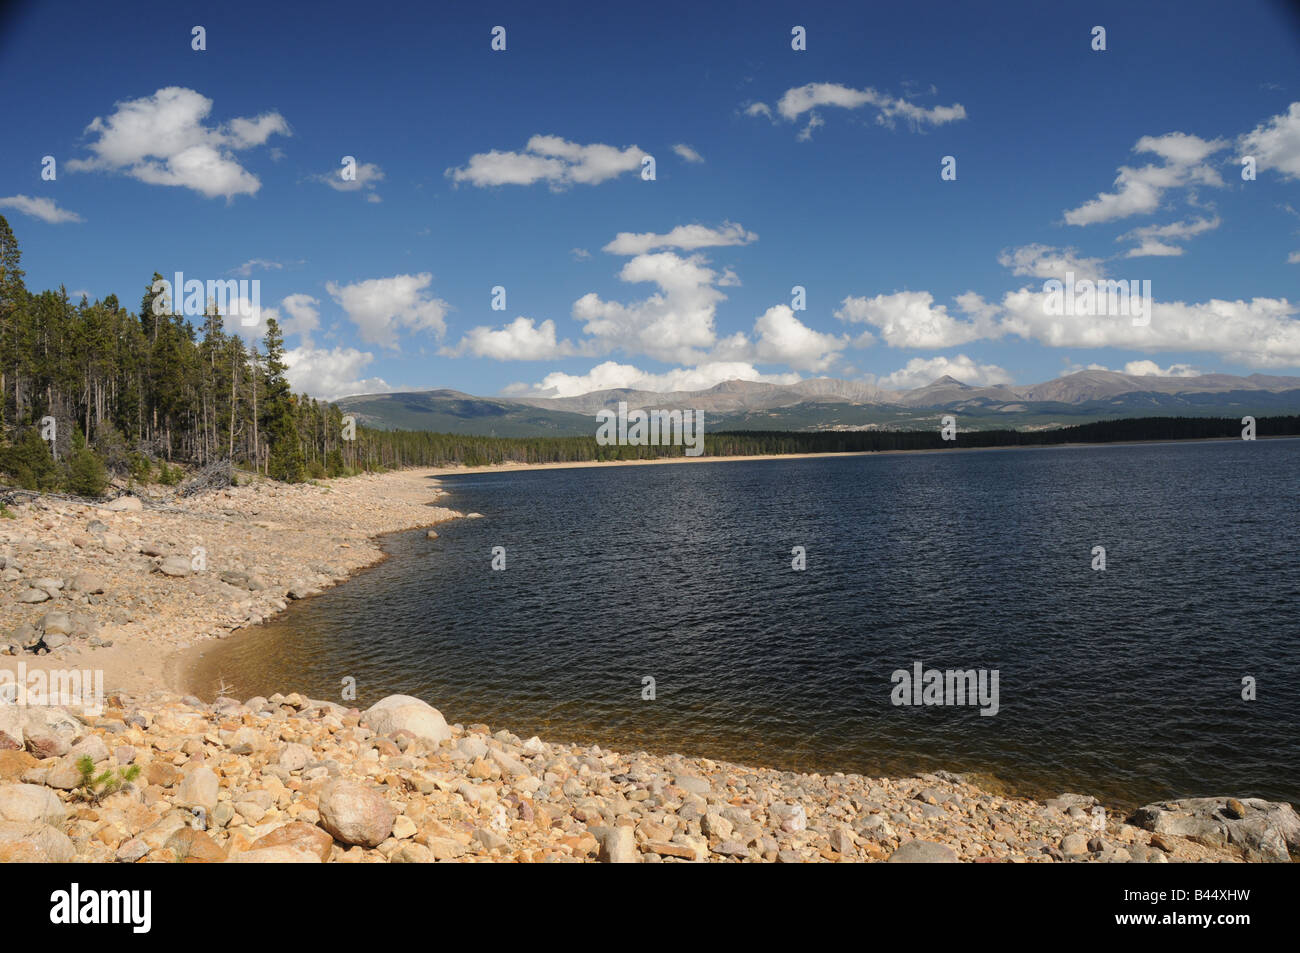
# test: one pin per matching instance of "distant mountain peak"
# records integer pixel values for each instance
(947, 381)
(827, 402)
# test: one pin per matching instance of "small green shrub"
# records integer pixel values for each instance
(94, 788)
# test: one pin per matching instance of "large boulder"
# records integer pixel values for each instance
(88, 582)
(34, 843)
(355, 814)
(192, 846)
(56, 623)
(405, 713)
(31, 803)
(174, 566)
(199, 789)
(300, 836)
(1261, 830)
(617, 845)
(49, 732)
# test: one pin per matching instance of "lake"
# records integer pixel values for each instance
(1125, 683)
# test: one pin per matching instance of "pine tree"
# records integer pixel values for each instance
(285, 461)
(13, 296)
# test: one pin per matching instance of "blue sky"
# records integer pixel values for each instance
(774, 168)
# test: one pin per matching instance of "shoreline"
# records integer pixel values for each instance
(164, 621)
(509, 466)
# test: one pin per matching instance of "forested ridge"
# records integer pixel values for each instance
(136, 396)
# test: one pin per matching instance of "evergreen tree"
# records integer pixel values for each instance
(285, 460)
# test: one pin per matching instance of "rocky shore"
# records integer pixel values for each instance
(129, 588)
(289, 779)
(156, 776)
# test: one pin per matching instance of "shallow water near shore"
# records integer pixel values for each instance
(1124, 683)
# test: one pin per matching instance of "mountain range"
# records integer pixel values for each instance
(829, 404)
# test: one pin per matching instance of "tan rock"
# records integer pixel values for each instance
(299, 836)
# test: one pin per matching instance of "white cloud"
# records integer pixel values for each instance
(380, 307)
(520, 340)
(1152, 369)
(256, 265)
(331, 374)
(43, 208)
(549, 159)
(814, 122)
(610, 375)
(911, 319)
(579, 254)
(240, 308)
(1261, 332)
(1275, 143)
(673, 325)
(1152, 248)
(1044, 261)
(162, 140)
(687, 153)
(686, 237)
(1293, 258)
(367, 175)
(1138, 191)
(303, 316)
(921, 371)
(784, 339)
(1151, 241)
(803, 99)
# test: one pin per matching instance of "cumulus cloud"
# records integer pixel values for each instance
(331, 374)
(382, 307)
(1152, 369)
(804, 99)
(1275, 143)
(520, 340)
(549, 159)
(687, 153)
(1261, 332)
(1139, 191)
(302, 316)
(912, 319)
(611, 375)
(47, 210)
(685, 237)
(674, 325)
(920, 371)
(784, 339)
(163, 139)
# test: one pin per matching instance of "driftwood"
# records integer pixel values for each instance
(215, 476)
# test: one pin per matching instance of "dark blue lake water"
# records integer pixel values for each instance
(1125, 683)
